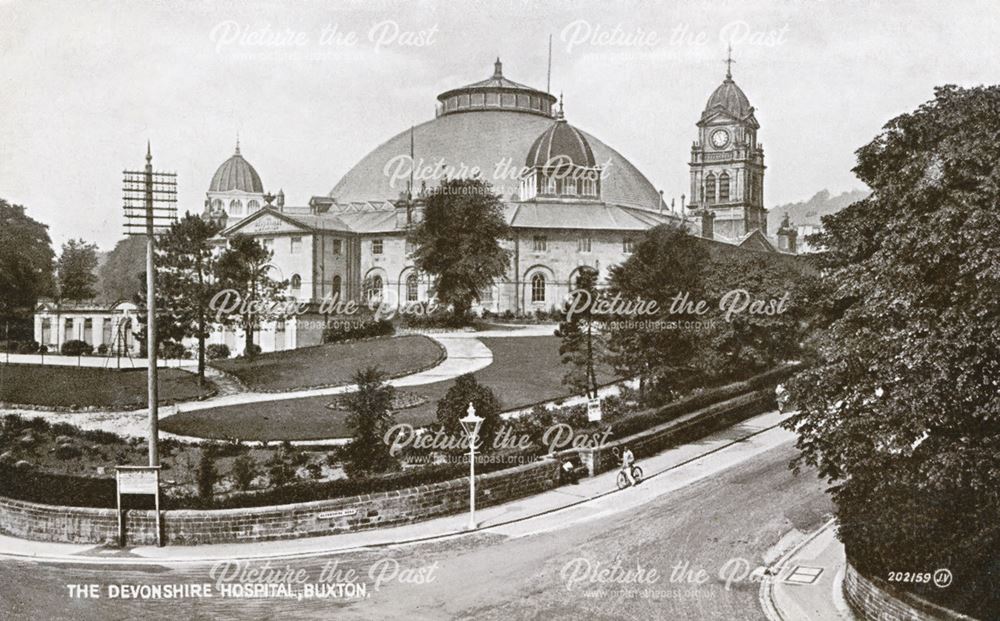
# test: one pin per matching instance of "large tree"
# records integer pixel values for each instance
(187, 279)
(760, 310)
(121, 275)
(659, 347)
(77, 270)
(583, 345)
(901, 408)
(369, 419)
(26, 259)
(244, 268)
(458, 242)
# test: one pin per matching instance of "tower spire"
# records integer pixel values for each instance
(498, 68)
(149, 152)
(237, 143)
(729, 63)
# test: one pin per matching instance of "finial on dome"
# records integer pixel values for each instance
(498, 68)
(729, 63)
(559, 115)
(237, 143)
(149, 152)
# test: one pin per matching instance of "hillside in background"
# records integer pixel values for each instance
(810, 211)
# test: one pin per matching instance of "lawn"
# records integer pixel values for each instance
(525, 370)
(81, 387)
(332, 364)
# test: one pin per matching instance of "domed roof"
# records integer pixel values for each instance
(730, 98)
(561, 144)
(493, 143)
(236, 174)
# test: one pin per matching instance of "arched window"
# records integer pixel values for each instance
(375, 289)
(538, 288)
(252, 206)
(580, 274)
(724, 188)
(296, 282)
(411, 288)
(710, 188)
(336, 286)
(216, 205)
(235, 208)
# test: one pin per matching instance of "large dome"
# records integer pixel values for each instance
(494, 142)
(236, 174)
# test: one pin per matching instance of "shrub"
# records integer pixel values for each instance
(172, 350)
(67, 451)
(217, 351)
(251, 351)
(244, 472)
(76, 348)
(28, 347)
(43, 349)
(206, 474)
(102, 349)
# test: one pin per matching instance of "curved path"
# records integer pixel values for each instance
(464, 353)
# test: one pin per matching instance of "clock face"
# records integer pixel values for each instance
(720, 138)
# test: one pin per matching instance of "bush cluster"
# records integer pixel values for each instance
(217, 351)
(76, 348)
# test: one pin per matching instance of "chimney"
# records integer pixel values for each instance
(786, 236)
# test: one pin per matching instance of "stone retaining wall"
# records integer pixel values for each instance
(873, 599)
(86, 525)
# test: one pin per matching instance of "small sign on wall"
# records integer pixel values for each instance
(594, 410)
(331, 515)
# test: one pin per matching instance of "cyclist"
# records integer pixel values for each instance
(628, 460)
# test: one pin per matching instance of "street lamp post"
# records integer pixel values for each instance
(471, 424)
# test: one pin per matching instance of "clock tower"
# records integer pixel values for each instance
(727, 163)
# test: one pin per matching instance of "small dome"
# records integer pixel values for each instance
(730, 98)
(236, 174)
(559, 145)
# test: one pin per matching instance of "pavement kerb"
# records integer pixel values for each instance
(766, 593)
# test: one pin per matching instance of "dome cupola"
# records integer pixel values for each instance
(496, 93)
(561, 164)
(236, 174)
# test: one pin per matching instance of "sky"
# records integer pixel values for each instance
(311, 87)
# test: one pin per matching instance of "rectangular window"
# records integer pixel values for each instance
(538, 243)
(295, 245)
(337, 247)
(628, 244)
(376, 246)
(584, 244)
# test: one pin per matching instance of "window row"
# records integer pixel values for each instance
(717, 189)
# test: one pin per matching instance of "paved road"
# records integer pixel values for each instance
(732, 521)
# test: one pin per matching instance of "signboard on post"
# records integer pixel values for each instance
(142, 481)
(594, 410)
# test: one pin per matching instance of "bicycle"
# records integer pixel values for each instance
(623, 479)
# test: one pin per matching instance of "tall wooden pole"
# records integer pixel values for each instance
(154, 457)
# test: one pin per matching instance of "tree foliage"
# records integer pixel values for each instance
(458, 242)
(583, 345)
(455, 405)
(121, 276)
(901, 407)
(187, 275)
(76, 270)
(244, 267)
(369, 419)
(26, 262)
